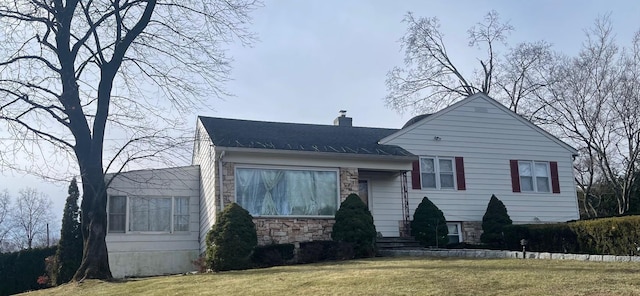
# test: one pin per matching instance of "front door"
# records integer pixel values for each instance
(363, 191)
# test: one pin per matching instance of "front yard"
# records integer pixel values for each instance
(389, 276)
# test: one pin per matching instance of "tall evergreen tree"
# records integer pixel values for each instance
(69, 253)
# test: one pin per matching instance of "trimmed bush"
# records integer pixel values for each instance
(606, 236)
(354, 224)
(318, 251)
(493, 222)
(231, 240)
(555, 238)
(429, 227)
(20, 271)
(272, 255)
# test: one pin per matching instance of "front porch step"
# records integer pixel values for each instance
(385, 243)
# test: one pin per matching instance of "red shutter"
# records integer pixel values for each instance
(460, 173)
(415, 175)
(515, 176)
(555, 181)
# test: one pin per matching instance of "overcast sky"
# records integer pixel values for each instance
(314, 58)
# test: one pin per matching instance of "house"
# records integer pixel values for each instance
(292, 177)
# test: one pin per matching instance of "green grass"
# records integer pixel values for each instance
(389, 276)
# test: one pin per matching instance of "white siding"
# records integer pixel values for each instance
(488, 136)
(204, 155)
(386, 202)
(142, 254)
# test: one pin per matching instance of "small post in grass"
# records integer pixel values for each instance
(523, 243)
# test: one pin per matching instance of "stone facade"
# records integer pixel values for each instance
(348, 182)
(292, 230)
(471, 231)
(287, 230)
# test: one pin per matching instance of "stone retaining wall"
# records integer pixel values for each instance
(464, 253)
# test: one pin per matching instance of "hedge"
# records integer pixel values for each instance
(19, 271)
(272, 255)
(318, 251)
(607, 236)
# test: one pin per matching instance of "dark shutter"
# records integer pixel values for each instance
(555, 181)
(460, 173)
(415, 175)
(515, 176)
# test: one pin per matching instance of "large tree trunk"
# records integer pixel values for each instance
(95, 259)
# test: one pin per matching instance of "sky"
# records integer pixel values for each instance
(314, 58)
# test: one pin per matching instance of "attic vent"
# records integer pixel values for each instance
(481, 110)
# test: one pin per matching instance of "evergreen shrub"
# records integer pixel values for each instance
(493, 223)
(429, 227)
(231, 241)
(354, 224)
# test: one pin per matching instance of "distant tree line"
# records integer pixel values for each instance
(26, 220)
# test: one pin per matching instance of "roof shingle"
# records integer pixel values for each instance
(299, 137)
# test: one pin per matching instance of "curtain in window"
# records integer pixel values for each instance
(117, 211)
(270, 179)
(150, 214)
(181, 214)
(270, 192)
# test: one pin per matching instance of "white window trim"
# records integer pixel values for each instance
(534, 177)
(436, 167)
(127, 227)
(459, 230)
(291, 168)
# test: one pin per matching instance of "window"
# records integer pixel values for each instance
(287, 192)
(181, 214)
(455, 235)
(534, 176)
(148, 214)
(117, 213)
(437, 172)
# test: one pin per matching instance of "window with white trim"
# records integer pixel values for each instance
(455, 235)
(148, 214)
(534, 176)
(437, 172)
(287, 192)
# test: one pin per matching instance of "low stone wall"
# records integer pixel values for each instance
(292, 230)
(464, 253)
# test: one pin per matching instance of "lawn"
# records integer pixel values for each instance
(389, 276)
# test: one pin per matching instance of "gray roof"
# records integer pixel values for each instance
(299, 137)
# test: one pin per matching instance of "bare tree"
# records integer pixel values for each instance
(594, 104)
(5, 205)
(76, 74)
(430, 79)
(30, 217)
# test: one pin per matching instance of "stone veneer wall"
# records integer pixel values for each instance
(288, 230)
(348, 182)
(471, 231)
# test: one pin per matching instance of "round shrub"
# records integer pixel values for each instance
(231, 240)
(354, 224)
(429, 227)
(493, 223)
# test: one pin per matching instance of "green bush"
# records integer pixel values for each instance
(318, 251)
(272, 255)
(429, 227)
(19, 271)
(493, 222)
(231, 240)
(606, 236)
(354, 224)
(613, 236)
(555, 238)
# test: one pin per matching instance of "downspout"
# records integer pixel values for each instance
(221, 177)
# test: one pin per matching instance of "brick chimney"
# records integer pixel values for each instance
(343, 120)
